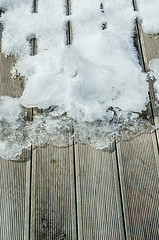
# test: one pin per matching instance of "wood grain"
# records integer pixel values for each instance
(9, 86)
(98, 198)
(53, 213)
(138, 164)
(14, 198)
(150, 50)
(15, 175)
(150, 46)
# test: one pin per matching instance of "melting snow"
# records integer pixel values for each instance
(97, 80)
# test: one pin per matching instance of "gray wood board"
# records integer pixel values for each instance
(53, 213)
(150, 46)
(9, 86)
(98, 198)
(150, 50)
(14, 198)
(138, 166)
(15, 175)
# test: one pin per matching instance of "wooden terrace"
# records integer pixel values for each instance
(77, 192)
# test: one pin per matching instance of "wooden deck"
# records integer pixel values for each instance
(77, 192)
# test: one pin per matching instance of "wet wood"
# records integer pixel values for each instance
(147, 114)
(15, 197)
(53, 213)
(98, 197)
(138, 166)
(9, 86)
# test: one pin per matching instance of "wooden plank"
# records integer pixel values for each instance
(149, 50)
(138, 163)
(14, 197)
(150, 46)
(9, 86)
(15, 175)
(98, 197)
(53, 213)
(137, 43)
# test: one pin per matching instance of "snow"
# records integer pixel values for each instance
(154, 66)
(98, 71)
(48, 128)
(97, 78)
(148, 13)
(10, 4)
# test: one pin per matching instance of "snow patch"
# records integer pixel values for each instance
(148, 12)
(98, 71)
(95, 85)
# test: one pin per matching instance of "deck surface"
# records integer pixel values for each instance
(78, 192)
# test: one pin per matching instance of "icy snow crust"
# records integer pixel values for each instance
(97, 80)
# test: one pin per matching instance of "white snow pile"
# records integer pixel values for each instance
(94, 80)
(148, 12)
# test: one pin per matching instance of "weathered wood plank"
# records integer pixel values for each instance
(138, 163)
(15, 176)
(150, 50)
(150, 46)
(137, 43)
(53, 213)
(98, 198)
(14, 198)
(9, 86)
